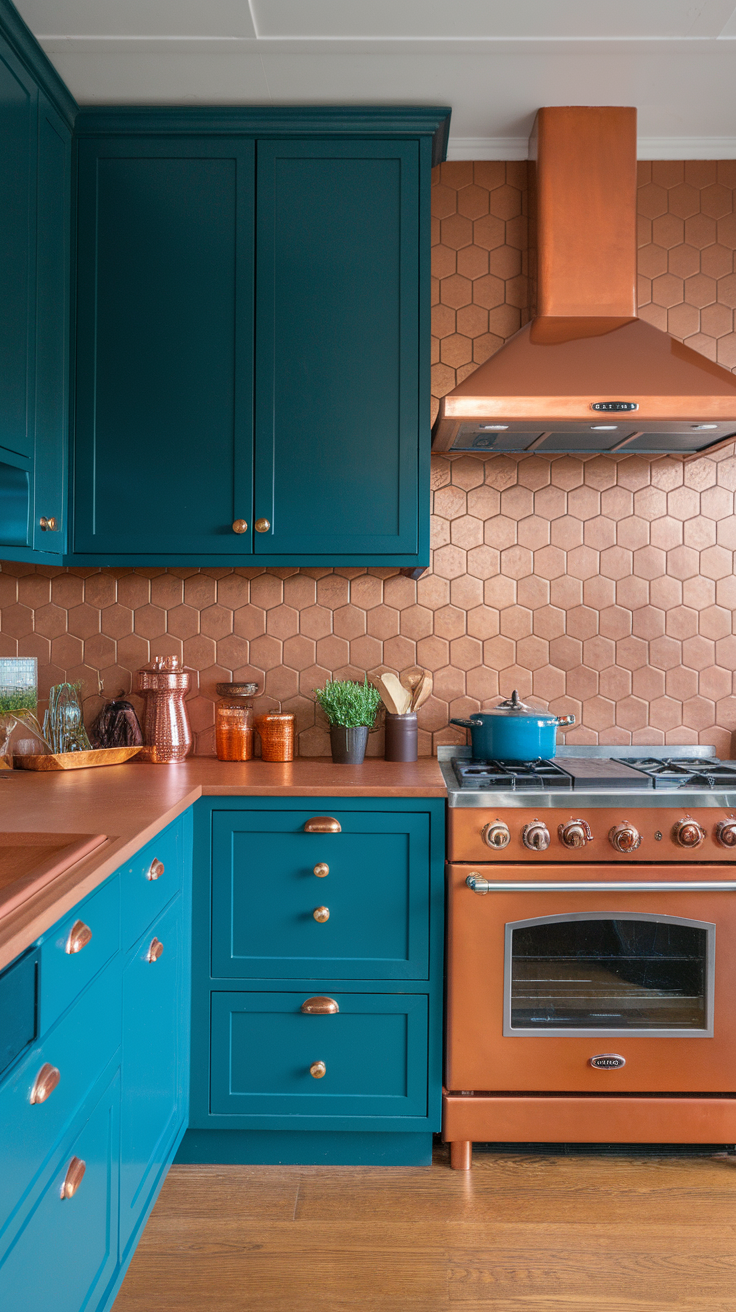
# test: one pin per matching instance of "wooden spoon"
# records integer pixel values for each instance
(411, 679)
(424, 692)
(417, 688)
(386, 697)
(400, 695)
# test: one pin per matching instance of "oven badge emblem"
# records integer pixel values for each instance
(607, 1061)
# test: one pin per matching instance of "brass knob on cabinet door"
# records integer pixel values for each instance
(262, 525)
(50, 525)
(321, 914)
(73, 1178)
(318, 1070)
(79, 936)
(320, 1006)
(155, 870)
(45, 1082)
(726, 833)
(240, 526)
(155, 950)
(321, 870)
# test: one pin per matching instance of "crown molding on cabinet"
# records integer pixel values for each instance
(647, 148)
(27, 49)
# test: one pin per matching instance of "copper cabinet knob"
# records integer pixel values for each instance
(79, 936)
(624, 837)
(726, 833)
(576, 833)
(323, 824)
(318, 1070)
(50, 525)
(321, 914)
(45, 1082)
(73, 1178)
(497, 834)
(535, 836)
(320, 1006)
(240, 526)
(688, 833)
(155, 950)
(262, 525)
(155, 870)
(321, 870)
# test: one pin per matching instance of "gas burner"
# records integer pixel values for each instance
(685, 772)
(510, 775)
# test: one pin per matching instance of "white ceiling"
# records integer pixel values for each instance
(493, 61)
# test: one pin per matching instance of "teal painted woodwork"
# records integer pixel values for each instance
(65, 1255)
(264, 893)
(65, 974)
(18, 1008)
(153, 1020)
(374, 1050)
(307, 1147)
(144, 896)
(164, 347)
(337, 349)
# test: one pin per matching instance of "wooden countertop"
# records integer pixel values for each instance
(134, 802)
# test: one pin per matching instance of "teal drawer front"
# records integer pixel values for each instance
(152, 1040)
(18, 1008)
(65, 972)
(374, 1051)
(265, 892)
(146, 888)
(79, 1047)
(66, 1253)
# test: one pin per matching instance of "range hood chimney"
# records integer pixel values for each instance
(587, 375)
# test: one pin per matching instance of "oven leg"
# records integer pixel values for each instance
(461, 1154)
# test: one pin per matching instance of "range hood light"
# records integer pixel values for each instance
(700, 427)
(496, 428)
(603, 428)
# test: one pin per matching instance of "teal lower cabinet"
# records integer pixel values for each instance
(317, 981)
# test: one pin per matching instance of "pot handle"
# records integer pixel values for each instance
(468, 724)
(563, 720)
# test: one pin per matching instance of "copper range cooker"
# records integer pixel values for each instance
(591, 970)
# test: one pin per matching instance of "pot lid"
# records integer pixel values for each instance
(513, 705)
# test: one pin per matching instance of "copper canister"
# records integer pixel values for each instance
(276, 730)
(167, 734)
(234, 721)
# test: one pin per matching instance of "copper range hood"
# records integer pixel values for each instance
(587, 375)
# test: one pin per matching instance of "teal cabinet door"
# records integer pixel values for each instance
(339, 415)
(372, 906)
(164, 348)
(152, 1074)
(52, 330)
(65, 1255)
(268, 1055)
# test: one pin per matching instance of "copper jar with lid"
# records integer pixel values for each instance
(234, 721)
(276, 731)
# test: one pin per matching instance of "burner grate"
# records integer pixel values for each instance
(510, 775)
(684, 771)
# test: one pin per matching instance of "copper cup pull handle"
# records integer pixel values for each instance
(45, 1082)
(320, 1007)
(73, 1178)
(79, 936)
(155, 870)
(323, 824)
(155, 950)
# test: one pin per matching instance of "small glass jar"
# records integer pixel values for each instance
(234, 721)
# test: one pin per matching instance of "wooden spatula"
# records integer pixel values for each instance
(386, 696)
(400, 695)
(423, 692)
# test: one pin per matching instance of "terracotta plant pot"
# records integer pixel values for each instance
(348, 745)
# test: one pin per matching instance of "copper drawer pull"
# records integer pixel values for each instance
(318, 1070)
(73, 1178)
(49, 524)
(320, 1007)
(155, 950)
(323, 824)
(321, 915)
(45, 1082)
(155, 870)
(79, 936)
(321, 870)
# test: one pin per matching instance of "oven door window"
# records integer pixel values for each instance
(586, 974)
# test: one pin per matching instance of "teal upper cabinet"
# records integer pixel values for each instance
(253, 336)
(36, 115)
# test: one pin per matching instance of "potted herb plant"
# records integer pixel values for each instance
(351, 710)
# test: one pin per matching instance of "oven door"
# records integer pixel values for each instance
(602, 990)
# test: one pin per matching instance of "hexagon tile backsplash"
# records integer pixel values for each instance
(603, 586)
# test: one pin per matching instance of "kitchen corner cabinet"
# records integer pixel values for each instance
(107, 1025)
(317, 981)
(253, 336)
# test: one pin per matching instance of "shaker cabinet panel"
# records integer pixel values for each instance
(337, 349)
(164, 347)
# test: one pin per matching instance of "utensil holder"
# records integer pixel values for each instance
(401, 737)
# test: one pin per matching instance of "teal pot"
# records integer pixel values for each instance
(348, 745)
(513, 731)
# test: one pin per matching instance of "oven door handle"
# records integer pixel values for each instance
(480, 885)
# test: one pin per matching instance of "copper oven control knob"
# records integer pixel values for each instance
(576, 833)
(625, 838)
(497, 834)
(726, 833)
(688, 833)
(535, 836)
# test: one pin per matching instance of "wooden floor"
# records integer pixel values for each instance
(517, 1234)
